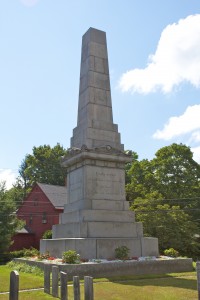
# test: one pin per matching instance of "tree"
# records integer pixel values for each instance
(141, 180)
(165, 192)
(172, 226)
(17, 193)
(9, 223)
(44, 166)
(128, 165)
(176, 172)
(172, 173)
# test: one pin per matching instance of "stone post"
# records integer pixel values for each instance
(14, 285)
(198, 278)
(63, 286)
(47, 274)
(76, 285)
(88, 287)
(55, 278)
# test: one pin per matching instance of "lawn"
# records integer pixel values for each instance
(181, 286)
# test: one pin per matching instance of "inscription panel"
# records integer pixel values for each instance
(105, 183)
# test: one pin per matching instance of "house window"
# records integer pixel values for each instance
(44, 218)
(35, 202)
(30, 219)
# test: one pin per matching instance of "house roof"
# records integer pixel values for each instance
(25, 230)
(56, 194)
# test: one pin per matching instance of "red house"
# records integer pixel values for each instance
(40, 210)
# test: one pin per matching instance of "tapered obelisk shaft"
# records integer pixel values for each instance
(95, 126)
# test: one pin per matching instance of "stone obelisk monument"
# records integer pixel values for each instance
(96, 216)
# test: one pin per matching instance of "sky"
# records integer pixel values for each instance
(154, 62)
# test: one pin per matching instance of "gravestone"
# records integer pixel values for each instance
(96, 218)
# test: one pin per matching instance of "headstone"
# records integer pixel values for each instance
(63, 286)
(14, 285)
(55, 281)
(96, 218)
(76, 284)
(88, 288)
(47, 278)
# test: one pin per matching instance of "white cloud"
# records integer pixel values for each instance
(196, 153)
(189, 122)
(176, 60)
(29, 2)
(195, 137)
(8, 176)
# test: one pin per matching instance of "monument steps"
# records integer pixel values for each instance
(100, 247)
(98, 229)
(97, 215)
(97, 204)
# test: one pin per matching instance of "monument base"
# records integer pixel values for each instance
(100, 248)
(113, 269)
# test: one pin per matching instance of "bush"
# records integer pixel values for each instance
(16, 254)
(71, 257)
(122, 252)
(20, 253)
(25, 268)
(171, 252)
(47, 234)
(30, 252)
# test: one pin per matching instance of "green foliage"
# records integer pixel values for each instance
(9, 223)
(25, 268)
(122, 252)
(71, 257)
(44, 166)
(17, 192)
(172, 173)
(177, 173)
(172, 226)
(142, 180)
(30, 252)
(23, 253)
(171, 252)
(165, 195)
(47, 234)
(128, 165)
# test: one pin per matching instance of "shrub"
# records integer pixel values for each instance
(47, 234)
(30, 252)
(25, 268)
(22, 253)
(122, 252)
(171, 252)
(71, 257)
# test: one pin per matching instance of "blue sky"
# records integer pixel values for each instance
(154, 60)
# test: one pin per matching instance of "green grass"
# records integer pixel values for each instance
(180, 286)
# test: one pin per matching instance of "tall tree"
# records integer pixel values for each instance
(176, 172)
(43, 165)
(128, 165)
(141, 180)
(8, 220)
(173, 173)
(172, 226)
(165, 193)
